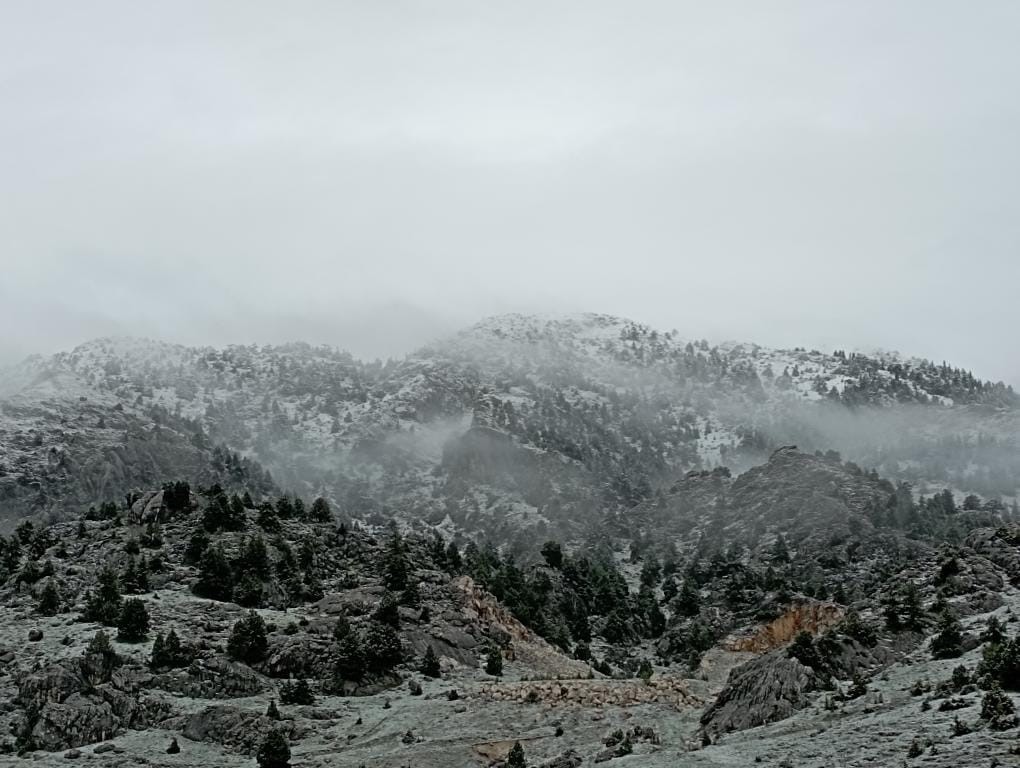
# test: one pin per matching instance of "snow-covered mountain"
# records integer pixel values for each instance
(517, 421)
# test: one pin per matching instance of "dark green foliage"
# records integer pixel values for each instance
(494, 662)
(516, 757)
(687, 602)
(49, 600)
(948, 643)
(382, 647)
(349, 657)
(430, 663)
(645, 670)
(388, 611)
(103, 605)
(553, 554)
(197, 545)
(134, 580)
(1000, 663)
(395, 563)
(167, 652)
(247, 641)
(320, 512)
(133, 622)
(994, 632)
(411, 596)
(176, 496)
(274, 751)
(272, 711)
(296, 693)
(997, 708)
(268, 519)
(215, 580)
(861, 631)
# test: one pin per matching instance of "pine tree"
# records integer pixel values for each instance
(273, 712)
(274, 751)
(321, 513)
(104, 604)
(688, 601)
(349, 658)
(494, 662)
(388, 611)
(430, 663)
(49, 600)
(382, 647)
(247, 641)
(133, 623)
(215, 579)
(516, 757)
(948, 643)
(395, 563)
(411, 596)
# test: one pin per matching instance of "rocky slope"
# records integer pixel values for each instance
(523, 419)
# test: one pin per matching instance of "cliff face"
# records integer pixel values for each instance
(806, 617)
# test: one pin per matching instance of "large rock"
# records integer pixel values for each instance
(235, 728)
(763, 690)
(216, 678)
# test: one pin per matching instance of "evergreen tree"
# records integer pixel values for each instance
(49, 600)
(273, 712)
(321, 513)
(215, 579)
(553, 554)
(688, 602)
(948, 643)
(494, 662)
(349, 658)
(516, 757)
(103, 606)
(382, 647)
(395, 563)
(268, 520)
(297, 693)
(997, 708)
(411, 596)
(247, 641)
(274, 751)
(430, 663)
(133, 623)
(388, 611)
(134, 580)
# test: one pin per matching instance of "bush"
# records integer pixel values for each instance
(997, 708)
(430, 663)
(49, 600)
(948, 643)
(494, 662)
(133, 623)
(247, 641)
(274, 751)
(103, 606)
(516, 757)
(296, 693)
(167, 652)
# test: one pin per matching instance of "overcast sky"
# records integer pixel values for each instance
(375, 174)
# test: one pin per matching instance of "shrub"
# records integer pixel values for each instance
(516, 757)
(296, 693)
(430, 663)
(274, 751)
(997, 708)
(49, 600)
(133, 622)
(494, 662)
(247, 641)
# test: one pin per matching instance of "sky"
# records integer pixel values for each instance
(375, 175)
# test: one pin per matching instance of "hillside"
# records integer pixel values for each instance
(541, 422)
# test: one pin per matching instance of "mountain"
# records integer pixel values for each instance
(574, 537)
(479, 428)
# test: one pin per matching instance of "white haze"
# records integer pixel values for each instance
(374, 175)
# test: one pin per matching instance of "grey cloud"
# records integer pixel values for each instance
(375, 174)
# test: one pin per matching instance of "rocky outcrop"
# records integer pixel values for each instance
(810, 617)
(235, 729)
(762, 691)
(216, 678)
(64, 708)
